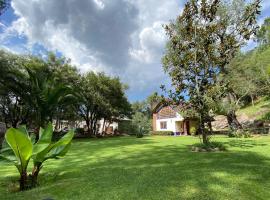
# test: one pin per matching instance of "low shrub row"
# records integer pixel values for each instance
(210, 146)
(240, 134)
(161, 133)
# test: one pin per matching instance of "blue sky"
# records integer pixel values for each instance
(123, 38)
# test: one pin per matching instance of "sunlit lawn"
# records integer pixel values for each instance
(151, 168)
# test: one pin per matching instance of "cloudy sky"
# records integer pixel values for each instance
(120, 37)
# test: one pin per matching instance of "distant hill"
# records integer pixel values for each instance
(247, 115)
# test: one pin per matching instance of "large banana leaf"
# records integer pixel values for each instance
(21, 146)
(7, 153)
(56, 149)
(45, 137)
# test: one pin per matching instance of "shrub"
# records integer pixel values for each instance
(210, 146)
(79, 131)
(266, 116)
(162, 133)
(193, 130)
(240, 134)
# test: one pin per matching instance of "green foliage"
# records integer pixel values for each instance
(210, 146)
(101, 96)
(24, 149)
(240, 134)
(263, 35)
(202, 41)
(141, 124)
(193, 130)
(164, 133)
(4, 4)
(21, 146)
(127, 127)
(266, 116)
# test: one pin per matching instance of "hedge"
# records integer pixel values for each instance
(162, 133)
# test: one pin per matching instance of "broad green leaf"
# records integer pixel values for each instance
(21, 146)
(7, 153)
(23, 129)
(59, 148)
(45, 136)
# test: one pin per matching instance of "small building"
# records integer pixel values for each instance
(169, 118)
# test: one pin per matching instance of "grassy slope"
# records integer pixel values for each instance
(151, 168)
(260, 108)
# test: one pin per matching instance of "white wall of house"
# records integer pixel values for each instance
(171, 123)
(114, 125)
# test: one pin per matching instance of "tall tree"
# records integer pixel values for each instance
(202, 41)
(101, 96)
(263, 35)
(4, 4)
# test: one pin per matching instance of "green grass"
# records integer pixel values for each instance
(258, 110)
(157, 167)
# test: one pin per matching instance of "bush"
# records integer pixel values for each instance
(240, 134)
(210, 146)
(79, 131)
(162, 133)
(193, 131)
(266, 116)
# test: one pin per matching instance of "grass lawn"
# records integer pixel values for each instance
(151, 168)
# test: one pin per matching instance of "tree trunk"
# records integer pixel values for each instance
(202, 131)
(23, 181)
(34, 175)
(88, 127)
(234, 124)
(103, 126)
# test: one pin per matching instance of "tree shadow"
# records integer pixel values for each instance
(138, 169)
(244, 143)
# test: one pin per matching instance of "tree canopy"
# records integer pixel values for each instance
(202, 41)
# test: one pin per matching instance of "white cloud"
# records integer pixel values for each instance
(152, 42)
(120, 37)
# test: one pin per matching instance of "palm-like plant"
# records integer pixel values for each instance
(18, 148)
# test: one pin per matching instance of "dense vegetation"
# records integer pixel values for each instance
(34, 91)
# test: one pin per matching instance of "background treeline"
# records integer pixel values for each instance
(34, 91)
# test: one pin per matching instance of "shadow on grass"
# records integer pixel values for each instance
(172, 172)
(244, 143)
(144, 169)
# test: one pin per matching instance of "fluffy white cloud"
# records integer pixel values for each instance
(152, 41)
(120, 37)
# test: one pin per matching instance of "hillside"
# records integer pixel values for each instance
(247, 115)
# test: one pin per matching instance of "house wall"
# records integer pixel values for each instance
(166, 114)
(113, 124)
(171, 124)
(154, 122)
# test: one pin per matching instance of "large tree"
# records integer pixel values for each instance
(101, 97)
(4, 4)
(263, 35)
(202, 41)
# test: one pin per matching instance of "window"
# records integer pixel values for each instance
(163, 125)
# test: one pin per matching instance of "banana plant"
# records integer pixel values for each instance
(44, 149)
(18, 149)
